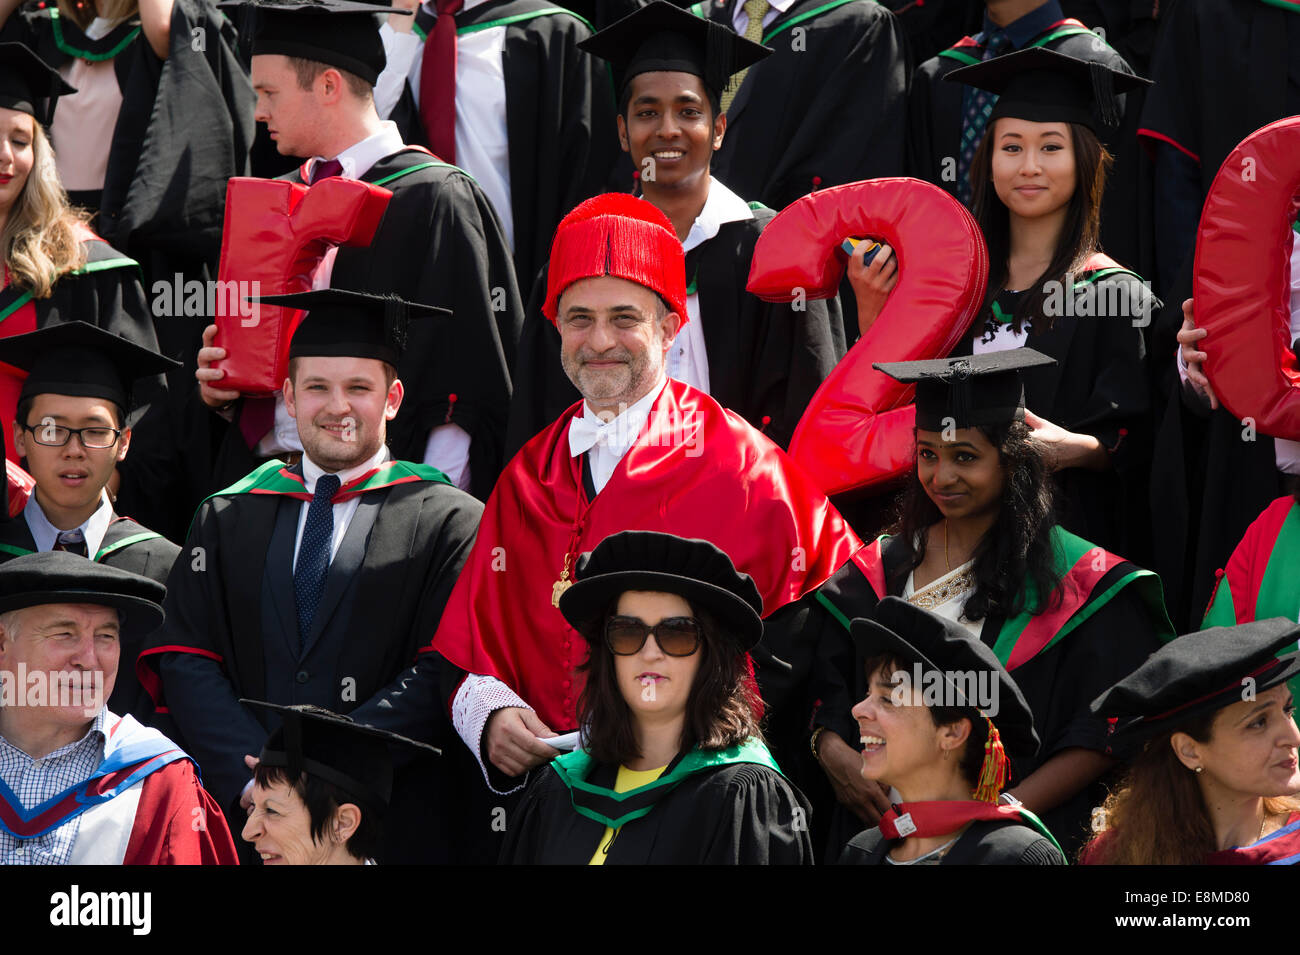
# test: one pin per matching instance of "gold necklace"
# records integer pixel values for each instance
(946, 561)
(1262, 823)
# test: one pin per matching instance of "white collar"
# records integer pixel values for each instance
(620, 432)
(92, 528)
(721, 206)
(311, 471)
(432, 7)
(357, 159)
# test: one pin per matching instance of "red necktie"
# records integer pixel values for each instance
(325, 168)
(438, 82)
(256, 417)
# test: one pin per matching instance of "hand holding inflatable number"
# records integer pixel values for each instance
(1241, 292)
(276, 233)
(857, 430)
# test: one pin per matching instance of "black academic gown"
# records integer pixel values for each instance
(934, 124)
(231, 631)
(765, 359)
(828, 107)
(126, 546)
(985, 842)
(735, 814)
(559, 118)
(1059, 684)
(439, 243)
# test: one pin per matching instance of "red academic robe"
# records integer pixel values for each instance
(696, 470)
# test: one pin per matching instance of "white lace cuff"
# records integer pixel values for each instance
(478, 698)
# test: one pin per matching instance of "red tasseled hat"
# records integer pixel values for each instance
(619, 235)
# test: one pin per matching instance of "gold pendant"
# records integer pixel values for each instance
(559, 587)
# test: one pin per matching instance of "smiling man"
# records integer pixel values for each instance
(71, 429)
(759, 359)
(316, 584)
(108, 790)
(639, 452)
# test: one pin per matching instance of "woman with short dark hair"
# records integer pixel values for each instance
(672, 766)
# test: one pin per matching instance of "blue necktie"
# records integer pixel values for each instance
(314, 553)
(977, 104)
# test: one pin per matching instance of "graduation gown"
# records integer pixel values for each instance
(765, 359)
(1281, 847)
(180, 134)
(1099, 387)
(439, 243)
(983, 843)
(559, 117)
(735, 809)
(231, 628)
(934, 124)
(1111, 617)
(828, 107)
(127, 546)
(143, 805)
(696, 470)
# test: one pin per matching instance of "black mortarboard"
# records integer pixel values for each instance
(339, 33)
(661, 36)
(60, 577)
(943, 647)
(29, 84)
(340, 323)
(1044, 86)
(83, 360)
(648, 560)
(967, 391)
(1199, 673)
(352, 756)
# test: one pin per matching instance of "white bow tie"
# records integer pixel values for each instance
(585, 433)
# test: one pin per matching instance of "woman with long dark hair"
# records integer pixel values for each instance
(1037, 178)
(977, 542)
(1214, 780)
(672, 766)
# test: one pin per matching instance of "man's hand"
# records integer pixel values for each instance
(1188, 336)
(205, 373)
(865, 798)
(246, 797)
(872, 283)
(512, 744)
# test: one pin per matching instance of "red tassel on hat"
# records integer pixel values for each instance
(619, 235)
(996, 768)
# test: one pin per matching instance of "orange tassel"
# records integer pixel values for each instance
(996, 769)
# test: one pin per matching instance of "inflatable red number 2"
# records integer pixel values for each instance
(1242, 279)
(857, 430)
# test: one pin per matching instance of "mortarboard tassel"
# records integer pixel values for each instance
(719, 45)
(960, 388)
(1103, 91)
(996, 768)
(396, 319)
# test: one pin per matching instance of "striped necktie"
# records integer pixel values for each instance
(314, 553)
(756, 10)
(977, 104)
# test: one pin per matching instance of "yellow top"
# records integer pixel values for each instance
(628, 779)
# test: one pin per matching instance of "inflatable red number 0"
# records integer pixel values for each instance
(857, 430)
(1242, 279)
(276, 233)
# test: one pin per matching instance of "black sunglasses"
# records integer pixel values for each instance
(676, 636)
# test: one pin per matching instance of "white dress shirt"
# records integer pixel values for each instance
(448, 445)
(482, 147)
(606, 442)
(344, 511)
(688, 360)
(92, 528)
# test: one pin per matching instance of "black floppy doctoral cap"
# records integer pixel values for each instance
(82, 360)
(1044, 86)
(968, 667)
(332, 747)
(58, 577)
(340, 323)
(648, 560)
(1200, 673)
(664, 37)
(970, 390)
(29, 84)
(339, 33)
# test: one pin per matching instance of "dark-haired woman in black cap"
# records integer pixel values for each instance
(976, 542)
(928, 731)
(1214, 780)
(672, 767)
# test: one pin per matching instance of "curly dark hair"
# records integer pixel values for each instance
(720, 710)
(322, 799)
(1014, 563)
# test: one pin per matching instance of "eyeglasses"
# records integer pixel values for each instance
(676, 636)
(56, 436)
